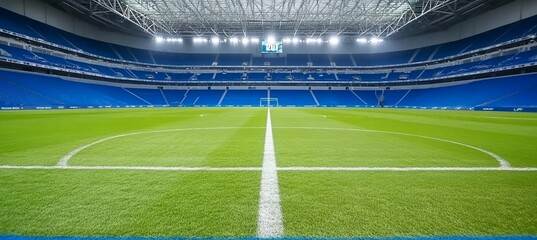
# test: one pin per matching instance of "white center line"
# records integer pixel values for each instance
(270, 221)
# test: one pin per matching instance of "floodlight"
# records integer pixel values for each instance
(245, 40)
(234, 40)
(375, 40)
(254, 40)
(286, 40)
(199, 39)
(159, 39)
(295, 40)
(215, 40)
(334, 40)
(361, 40)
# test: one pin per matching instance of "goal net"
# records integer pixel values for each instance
(266, 102)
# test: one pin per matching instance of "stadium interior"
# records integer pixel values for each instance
(47, 67)
(268, 119)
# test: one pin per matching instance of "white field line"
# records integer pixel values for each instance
(142, 168)
(269, 221)
(208, 169)
(407, 169)
(65, 159)
(503, 163)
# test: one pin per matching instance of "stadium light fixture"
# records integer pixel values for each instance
(254, 40)
(361, 40)
(215, 40)
(375, 40)
(295, 40)
(171, 39)
(286, 40)
(245, 40)
(199, 39)
(168, 40)
(314, 40)
(334, 40)
(233, 40)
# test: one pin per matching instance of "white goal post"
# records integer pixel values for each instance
(264, 102)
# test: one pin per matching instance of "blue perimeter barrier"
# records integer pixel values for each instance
(488, 109)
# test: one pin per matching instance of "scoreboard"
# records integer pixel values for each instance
(272, 47)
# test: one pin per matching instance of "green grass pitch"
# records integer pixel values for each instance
(112, 202)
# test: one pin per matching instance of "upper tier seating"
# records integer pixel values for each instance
(23, 25)
(163, 74)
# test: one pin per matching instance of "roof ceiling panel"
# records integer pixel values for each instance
(345, 18)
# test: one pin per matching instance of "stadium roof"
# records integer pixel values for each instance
(304, 18)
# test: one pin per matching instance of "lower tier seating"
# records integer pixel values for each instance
(29, 90)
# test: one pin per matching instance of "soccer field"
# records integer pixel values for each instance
(251, 172)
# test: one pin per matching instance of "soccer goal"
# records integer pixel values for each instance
(265, 102)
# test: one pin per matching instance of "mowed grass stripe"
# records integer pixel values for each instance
(371, 148)
(43, 137)
(128, 203)
(512, 136)
(194, 147)
(410, 204)
(237, 146)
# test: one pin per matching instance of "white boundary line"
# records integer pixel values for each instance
(356, 169)
(407, 169)
(142, 168)
(270, 220)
